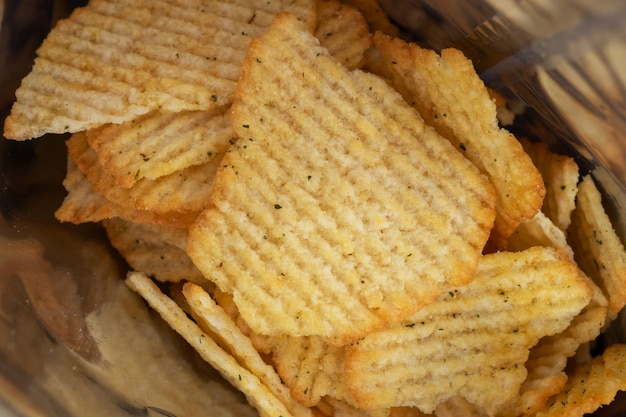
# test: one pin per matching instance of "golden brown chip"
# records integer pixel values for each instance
(472, 341)
(156, 144)
(548, 360)
(212, 319)
(256, 392)
(337, 211)
(83, 204)
(591, 386)
(560, 175)
(145, 250)
(112, 61)
(184, 191)
(539, 231)
(451, 97)
(597, 248)
(343, 31)
(311, 368)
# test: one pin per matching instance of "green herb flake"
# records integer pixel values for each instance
(462, 146)
(277, 206)
(246, 126)
(410, 325)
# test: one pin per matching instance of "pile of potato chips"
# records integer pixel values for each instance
(333, 217)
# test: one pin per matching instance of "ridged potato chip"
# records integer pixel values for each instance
(257, 393)
(472, 341)
(114, 60)
(326, 209)
(591, 386)
(212, 319)
(146, 250)
(597, 248)
(82, 204)
(561, 175)
(182, 191)
(157, 144)
(451, 97)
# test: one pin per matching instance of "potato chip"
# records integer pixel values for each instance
(560, 174)
(156, 144)
(549, 358)
(147, 251)
(473, 340)
(343, 31)
(591, 386)
(112, 61)
(451, 97)
(539, 231)
(184, 191)
(256, 392)
(327, 208)
(311, 368)
(83, 204)
(212, 319)
(597, 248)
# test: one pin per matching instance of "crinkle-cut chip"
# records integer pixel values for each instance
(375, 16)
(458, 407)
(597, 248)
(451, 97)
(170, 235)
(154, 145)
(213, 320)
(149, 253)
(183, 191)
(334, 199)
(83, 204)
(311, 368)
(257, 393)
(473, 340)
(561, 175)
(548, 360)
(113, 60)
(263, 344)
(591, 385)
(539, 231)
(343, 31)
